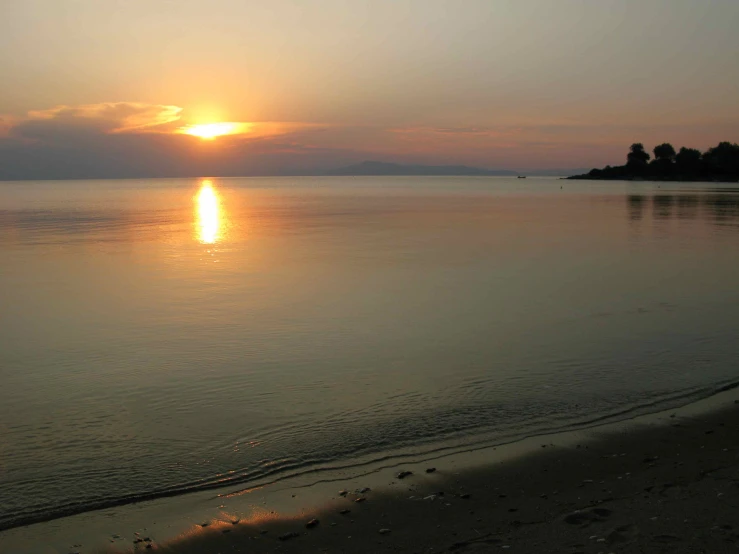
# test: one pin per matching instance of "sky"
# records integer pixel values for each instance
(118, 88)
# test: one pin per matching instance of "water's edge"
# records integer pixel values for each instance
(387, 458)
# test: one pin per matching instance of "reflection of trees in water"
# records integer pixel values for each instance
(636, 206)
(720, 206)
(724, 207)
(687, 206)
(662, 205)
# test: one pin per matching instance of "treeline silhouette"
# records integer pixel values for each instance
(720, 163)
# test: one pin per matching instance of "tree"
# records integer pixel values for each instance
(637, 156)
(723, 159)
(720, 163)
(664, 152)
(688, 161)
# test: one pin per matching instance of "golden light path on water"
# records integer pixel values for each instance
(208, 213)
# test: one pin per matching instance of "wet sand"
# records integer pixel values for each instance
(666, 487)
(662, 483)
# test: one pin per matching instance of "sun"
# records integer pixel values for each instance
(209, 131)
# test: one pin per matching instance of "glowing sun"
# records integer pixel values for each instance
(209, 131)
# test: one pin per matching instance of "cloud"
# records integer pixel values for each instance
(91, 120)
(116, 117)
(248, 130)
(129, 139)
(87, 122)
(5, 126)
(483, 131)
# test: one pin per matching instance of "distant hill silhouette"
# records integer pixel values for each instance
(555, 172)
(720, 163)
(387, 168)
(369, 168)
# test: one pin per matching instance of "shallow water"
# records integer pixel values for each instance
(162, 336)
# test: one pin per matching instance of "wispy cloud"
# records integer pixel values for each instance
(116, 117)
(136, 118)
(130, 139)
(248, 130)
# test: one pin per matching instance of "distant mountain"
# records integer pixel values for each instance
(386, 168)
(554, 172)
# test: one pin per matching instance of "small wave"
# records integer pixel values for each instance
(269, 472)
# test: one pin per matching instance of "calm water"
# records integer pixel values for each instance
(164, 336)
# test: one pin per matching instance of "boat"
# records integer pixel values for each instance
(522, 176)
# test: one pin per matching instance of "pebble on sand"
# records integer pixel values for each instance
(384, 531)
(404, 474)
(430, 470)
(312, 523)
(288, 536)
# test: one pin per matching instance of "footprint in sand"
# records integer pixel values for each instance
(588, 516)
(481, 544)
(624, 533)
(666, 539)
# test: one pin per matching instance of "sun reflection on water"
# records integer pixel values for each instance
(208, 213)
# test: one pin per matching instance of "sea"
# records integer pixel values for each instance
(167, 336)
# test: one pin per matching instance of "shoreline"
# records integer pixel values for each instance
(544, 474)
(375, 461)
(648, 179)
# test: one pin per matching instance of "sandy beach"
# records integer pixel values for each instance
(667, 482)
(673, 487)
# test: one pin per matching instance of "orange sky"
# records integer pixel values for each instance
(510, 84)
